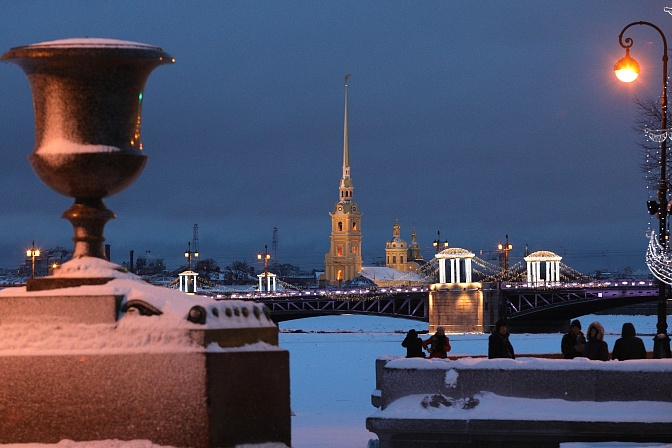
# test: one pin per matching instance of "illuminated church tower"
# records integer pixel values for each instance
(344, 260)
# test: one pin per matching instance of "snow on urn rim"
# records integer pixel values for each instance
(88, 45)
(92, 42)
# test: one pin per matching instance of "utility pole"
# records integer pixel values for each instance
(274, 244)
(195, 239)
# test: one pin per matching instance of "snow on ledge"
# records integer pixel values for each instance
(92, 267)
(490, 407)
(175, 305)
(122, 444)
(648, 365)
(260, 346)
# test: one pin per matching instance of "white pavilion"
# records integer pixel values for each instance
(457, 257)
(534, 261)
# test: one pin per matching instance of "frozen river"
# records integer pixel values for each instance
(333, 373)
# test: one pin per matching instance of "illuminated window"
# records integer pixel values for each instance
(339, 250)
(339, 275)
(354, 250)
(354, 226)
(340, 226)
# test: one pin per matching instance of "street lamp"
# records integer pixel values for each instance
(504, 249)
(627, 70)
(188, 254)
(438, 244)
(33, 253)
(265, 256)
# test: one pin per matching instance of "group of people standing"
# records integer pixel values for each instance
(437, 345)
(574, 344)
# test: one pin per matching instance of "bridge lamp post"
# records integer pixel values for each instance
(627, 70)
(265, 256)
(505, 248)
(189, 253)
(33, 253)
(438, 244)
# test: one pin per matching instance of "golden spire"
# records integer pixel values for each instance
(346, 148)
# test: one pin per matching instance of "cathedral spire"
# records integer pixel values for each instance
(346, 148)
(346, 189)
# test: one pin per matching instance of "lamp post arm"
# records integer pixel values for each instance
(662, 190)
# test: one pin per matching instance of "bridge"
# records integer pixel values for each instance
(408, 303)
(521, 303)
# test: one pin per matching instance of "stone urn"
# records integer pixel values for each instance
(87, 96)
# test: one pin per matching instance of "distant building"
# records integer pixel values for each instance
(402, 256)
(396, 250)
(414, 250)
(386, 277)
(48, 260)
(343, 262)
(149, 264)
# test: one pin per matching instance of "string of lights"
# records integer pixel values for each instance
(659, 261)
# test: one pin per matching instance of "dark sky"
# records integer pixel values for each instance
(478, 119)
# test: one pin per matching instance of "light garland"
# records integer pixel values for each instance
(659, 262)
(658, 135)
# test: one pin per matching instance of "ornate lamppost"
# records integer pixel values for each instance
(33, 253)
(627, 70)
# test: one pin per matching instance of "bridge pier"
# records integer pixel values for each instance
(462, 307)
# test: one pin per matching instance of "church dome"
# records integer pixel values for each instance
(396, 242)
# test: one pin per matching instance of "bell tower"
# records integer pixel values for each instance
(344, 260)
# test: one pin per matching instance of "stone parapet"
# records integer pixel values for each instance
(473, 402)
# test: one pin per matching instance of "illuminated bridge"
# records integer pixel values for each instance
(521, 303)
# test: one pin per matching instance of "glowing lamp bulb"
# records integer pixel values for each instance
(28, 253)
(627, 69)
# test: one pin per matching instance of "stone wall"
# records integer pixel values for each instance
(527, 402)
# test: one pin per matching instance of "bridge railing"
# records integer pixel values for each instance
(254, 295)
(618, 283)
